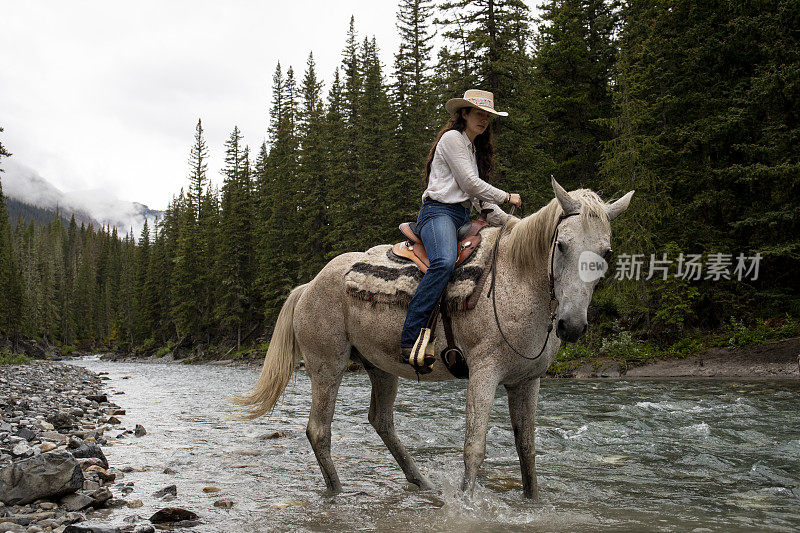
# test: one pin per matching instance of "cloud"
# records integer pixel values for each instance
(25, 184)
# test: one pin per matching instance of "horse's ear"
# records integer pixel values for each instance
(618, 207)
(568, 204)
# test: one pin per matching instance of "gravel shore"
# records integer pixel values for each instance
(54, 419)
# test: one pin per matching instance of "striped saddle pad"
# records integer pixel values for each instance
(381, 277)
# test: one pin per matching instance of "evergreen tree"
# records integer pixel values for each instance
(338, 236)
(234, 259)
(186, 287)
(414, 99)
(312, 175)
(574, 58)
(11, 298)
(380, 193)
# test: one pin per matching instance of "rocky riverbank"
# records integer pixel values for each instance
(770, 360)
(54, 420)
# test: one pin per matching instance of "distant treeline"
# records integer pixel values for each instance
(696, 106)
(21, 212)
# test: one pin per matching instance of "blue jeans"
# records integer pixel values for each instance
(437, 225)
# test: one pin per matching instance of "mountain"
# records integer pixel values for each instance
(27, 190)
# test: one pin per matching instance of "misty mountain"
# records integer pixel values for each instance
(95, 206)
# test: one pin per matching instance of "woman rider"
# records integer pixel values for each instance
(458, 165)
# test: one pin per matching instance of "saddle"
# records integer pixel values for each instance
(412, 249)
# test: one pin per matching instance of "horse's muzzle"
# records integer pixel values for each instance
(571, 331)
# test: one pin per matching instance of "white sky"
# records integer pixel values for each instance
(106, 94)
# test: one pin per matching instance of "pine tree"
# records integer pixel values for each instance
(574, 58)
(312, 174)
(234, 259)
(281, 241)
(337, 238)
(414, 99)
(11, 290)
(380, 193)
(186, 287)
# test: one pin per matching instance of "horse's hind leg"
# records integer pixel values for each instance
(381, 416)
(324, 387)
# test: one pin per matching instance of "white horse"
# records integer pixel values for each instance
(328, 327)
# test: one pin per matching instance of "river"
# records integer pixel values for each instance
(612, 455)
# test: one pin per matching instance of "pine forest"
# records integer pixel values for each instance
(695, 106)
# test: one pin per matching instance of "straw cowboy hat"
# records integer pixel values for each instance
(474, 98)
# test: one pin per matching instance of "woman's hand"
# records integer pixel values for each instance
(515, 199)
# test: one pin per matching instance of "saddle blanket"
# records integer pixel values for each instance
(380, 277)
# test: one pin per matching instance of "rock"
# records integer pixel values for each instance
(113, 503)
(169, 471)
(8, 527)
(47, 426)
(47, 446)
(172, 514)
(275, 435)
(86, 450)
(114, 420)
(91, 529)
(224, 504)
(144, 528)
(99, 398)
(22, 449)
(61, 420)
(77, 502)
(171, 489)
(26, 434)
(134, 504)
(211, 489)
(101, 495)
(140, 431)
(48, 475)
(48, 506)
(53, 436)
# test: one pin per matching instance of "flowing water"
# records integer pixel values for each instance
(612, 455)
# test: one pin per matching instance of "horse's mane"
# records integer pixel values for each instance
(529, 239)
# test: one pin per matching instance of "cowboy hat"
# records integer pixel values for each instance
(474, 98)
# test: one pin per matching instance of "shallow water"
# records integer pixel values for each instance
(660, 455)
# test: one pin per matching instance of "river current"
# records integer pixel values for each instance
(612, 455)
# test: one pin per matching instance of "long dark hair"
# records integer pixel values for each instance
(484, 145)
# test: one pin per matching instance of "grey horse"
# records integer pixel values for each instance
(328, 327)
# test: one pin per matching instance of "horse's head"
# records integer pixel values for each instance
(580, 254)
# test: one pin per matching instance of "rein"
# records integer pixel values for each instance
(551, 281)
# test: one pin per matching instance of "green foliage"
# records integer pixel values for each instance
(692, 105)
(9, 358)
(67, 350)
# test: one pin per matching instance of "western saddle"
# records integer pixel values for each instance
(412, 249)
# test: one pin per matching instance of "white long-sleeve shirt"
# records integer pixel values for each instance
(454, 178)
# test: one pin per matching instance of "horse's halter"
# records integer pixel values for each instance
(551, 280)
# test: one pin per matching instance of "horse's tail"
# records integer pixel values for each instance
(279, 363)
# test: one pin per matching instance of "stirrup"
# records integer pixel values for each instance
(423, 354)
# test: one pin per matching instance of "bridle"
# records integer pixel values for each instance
(551, 280)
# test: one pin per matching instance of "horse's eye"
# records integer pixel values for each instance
(560, 246)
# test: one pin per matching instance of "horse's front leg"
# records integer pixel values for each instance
(522, 400)
(480, 397)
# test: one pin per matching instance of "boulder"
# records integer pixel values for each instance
(61, 420)
(45, 476)
(171, 514)
(169, 490)
(86, 450)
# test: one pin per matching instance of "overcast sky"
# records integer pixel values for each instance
(105, 94)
